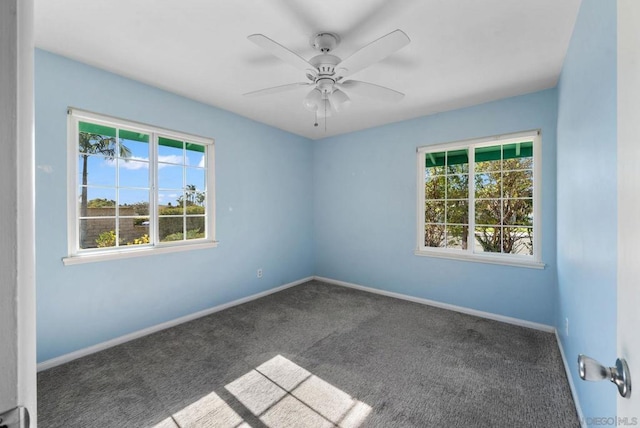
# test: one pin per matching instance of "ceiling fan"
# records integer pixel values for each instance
(326, 72)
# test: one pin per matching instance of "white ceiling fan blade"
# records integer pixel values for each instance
(277, 89)
(370, 90)
(276, 49)
(373, 52)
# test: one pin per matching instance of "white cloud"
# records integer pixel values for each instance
(201, 163)
(169, 159)
(162, 197)
(130, 163)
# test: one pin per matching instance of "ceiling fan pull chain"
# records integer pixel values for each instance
(325, 117)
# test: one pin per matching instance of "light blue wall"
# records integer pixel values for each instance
(263, 196)
(365, 211)
(587, 187)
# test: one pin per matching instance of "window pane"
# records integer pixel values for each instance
(488, 159)
(457, 237)
(192, 200)
(516, 164)
(171, 228)
(434, 163)
(135, 144)
(140, 209)
(170, 176)
(518, 240)
(195, 155)
(195, 228)
(434, 235)
(96, 171)
(458, 186)
(488, 212)
(96, 139)
(170, 151)
(518, 184)
(100, 202)
(142, 222)
(133, 173)
(194, 196)
(196, 177)
(97, 233)
(93, 128)
(488, 185)
(518, 156)
(434, 211)
(195, 210)
(434, 187)
(457, 212)
(488, 239)
(518, 212)
(171, 210)
(457, 162)
(134, 231)
(132, 200)
(169, 199)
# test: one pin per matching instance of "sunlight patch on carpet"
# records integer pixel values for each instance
(281, 393)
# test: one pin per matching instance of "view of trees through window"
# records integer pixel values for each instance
(116, 169)
(501, 214)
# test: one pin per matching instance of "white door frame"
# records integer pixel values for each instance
(628, 73)
(17, 219)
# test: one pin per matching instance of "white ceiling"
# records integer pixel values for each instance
(462, 52)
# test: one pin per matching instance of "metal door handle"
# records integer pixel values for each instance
(591, 369)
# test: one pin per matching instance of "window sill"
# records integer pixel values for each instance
(142, 252)
(477, 258)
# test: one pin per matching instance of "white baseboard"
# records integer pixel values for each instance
(462, 309)
(162, 326)
(572, 386)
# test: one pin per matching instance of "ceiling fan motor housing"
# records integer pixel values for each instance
(325, 64)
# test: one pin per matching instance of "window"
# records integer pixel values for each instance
(479, 200)
(134, 187)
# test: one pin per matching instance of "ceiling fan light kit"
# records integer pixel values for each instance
(312, 100)
(339, 100)
(325, 72)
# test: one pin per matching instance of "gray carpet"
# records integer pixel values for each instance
(318, 355)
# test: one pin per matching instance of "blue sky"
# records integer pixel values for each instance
(133, 172)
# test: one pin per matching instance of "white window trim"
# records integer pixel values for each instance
(74, 116)
(534, 261)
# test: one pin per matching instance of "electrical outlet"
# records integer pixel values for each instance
(566, 326)
(259, 273)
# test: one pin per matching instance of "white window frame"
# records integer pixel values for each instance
(77, 255)
(530, 261)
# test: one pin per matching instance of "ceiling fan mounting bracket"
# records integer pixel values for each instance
(325, 42)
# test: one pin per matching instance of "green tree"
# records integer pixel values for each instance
(191, 197)
(505, 205)
(140, 208)
(101, 203)
(452, 181)
(91, 144)
(503, 202)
